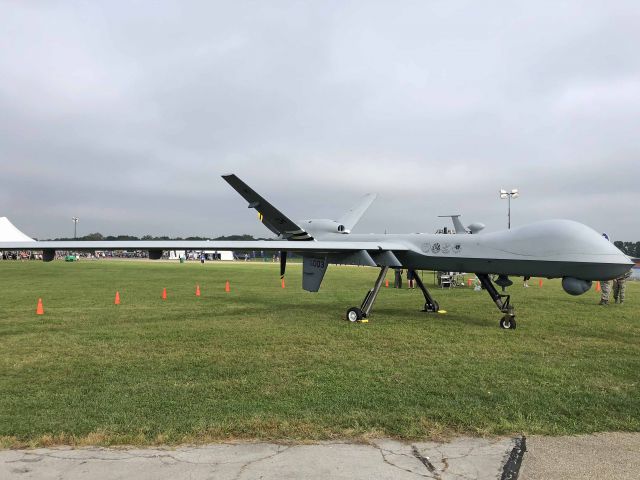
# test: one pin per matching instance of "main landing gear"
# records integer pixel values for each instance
(508, 320)
(430, 305)
(355, 314)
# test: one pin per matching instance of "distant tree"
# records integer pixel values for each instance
(93, 237)
(98, 237)
(122, 238)
(235, 238)
(629, 248)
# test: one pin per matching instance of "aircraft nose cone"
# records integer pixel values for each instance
(618, 263)
(570, 241)
(608, 248)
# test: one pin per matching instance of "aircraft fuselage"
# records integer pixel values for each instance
(553, 249)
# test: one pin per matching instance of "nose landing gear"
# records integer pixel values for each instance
(508, 320)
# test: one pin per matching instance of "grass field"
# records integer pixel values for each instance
(265, 363)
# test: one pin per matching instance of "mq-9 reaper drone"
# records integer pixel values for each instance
(552, 249)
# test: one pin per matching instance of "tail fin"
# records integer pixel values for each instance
(270, 216)
(457, 224)
(352, 217)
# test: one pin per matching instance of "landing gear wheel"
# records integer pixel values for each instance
(428, 308)
(508, 322)
(354, 314)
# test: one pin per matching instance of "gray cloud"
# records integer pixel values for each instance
(126, 113)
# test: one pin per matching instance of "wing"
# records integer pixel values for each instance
(316, 255)
(273, 219)
(328, 247)
(349, 253)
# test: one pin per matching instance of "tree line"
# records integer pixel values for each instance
(98, 237)
(630, 248)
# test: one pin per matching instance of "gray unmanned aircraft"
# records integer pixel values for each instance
(552, 249)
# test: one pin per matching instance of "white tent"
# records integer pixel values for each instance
(226, 255)
(223, 254)
(9, 233)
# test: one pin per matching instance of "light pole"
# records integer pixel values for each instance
(504, 194)
(75, 227)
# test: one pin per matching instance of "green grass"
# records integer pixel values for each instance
(265, 363)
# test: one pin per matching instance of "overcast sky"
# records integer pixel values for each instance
(125, 114)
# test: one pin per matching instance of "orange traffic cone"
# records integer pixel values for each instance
(117, 300)
(197, 290)
(39, 309)
(540, 283)
(227, 287)
(598, 288)
(468, 282)
(282, 283)
(386, 283)
(164, 293)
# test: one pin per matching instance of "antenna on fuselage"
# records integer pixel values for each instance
(459, 228)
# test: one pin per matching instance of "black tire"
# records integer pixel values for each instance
(354, 314)
(435, 309)
(508, 322)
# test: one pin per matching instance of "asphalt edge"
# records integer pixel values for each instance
(511, 468)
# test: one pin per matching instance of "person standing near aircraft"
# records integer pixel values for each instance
(605, 286)
(619, 286)
(411, 278)
(397, 283)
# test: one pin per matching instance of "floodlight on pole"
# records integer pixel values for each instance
(75, 227)
(514, 193)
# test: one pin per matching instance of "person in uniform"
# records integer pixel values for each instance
(397, 283)
(605, 286)
(619, 287)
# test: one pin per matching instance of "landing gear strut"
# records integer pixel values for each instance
(430, 305)
(355, 314)
(508, 320)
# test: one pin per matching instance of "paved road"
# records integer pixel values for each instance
(601, 456)
(461, 459)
